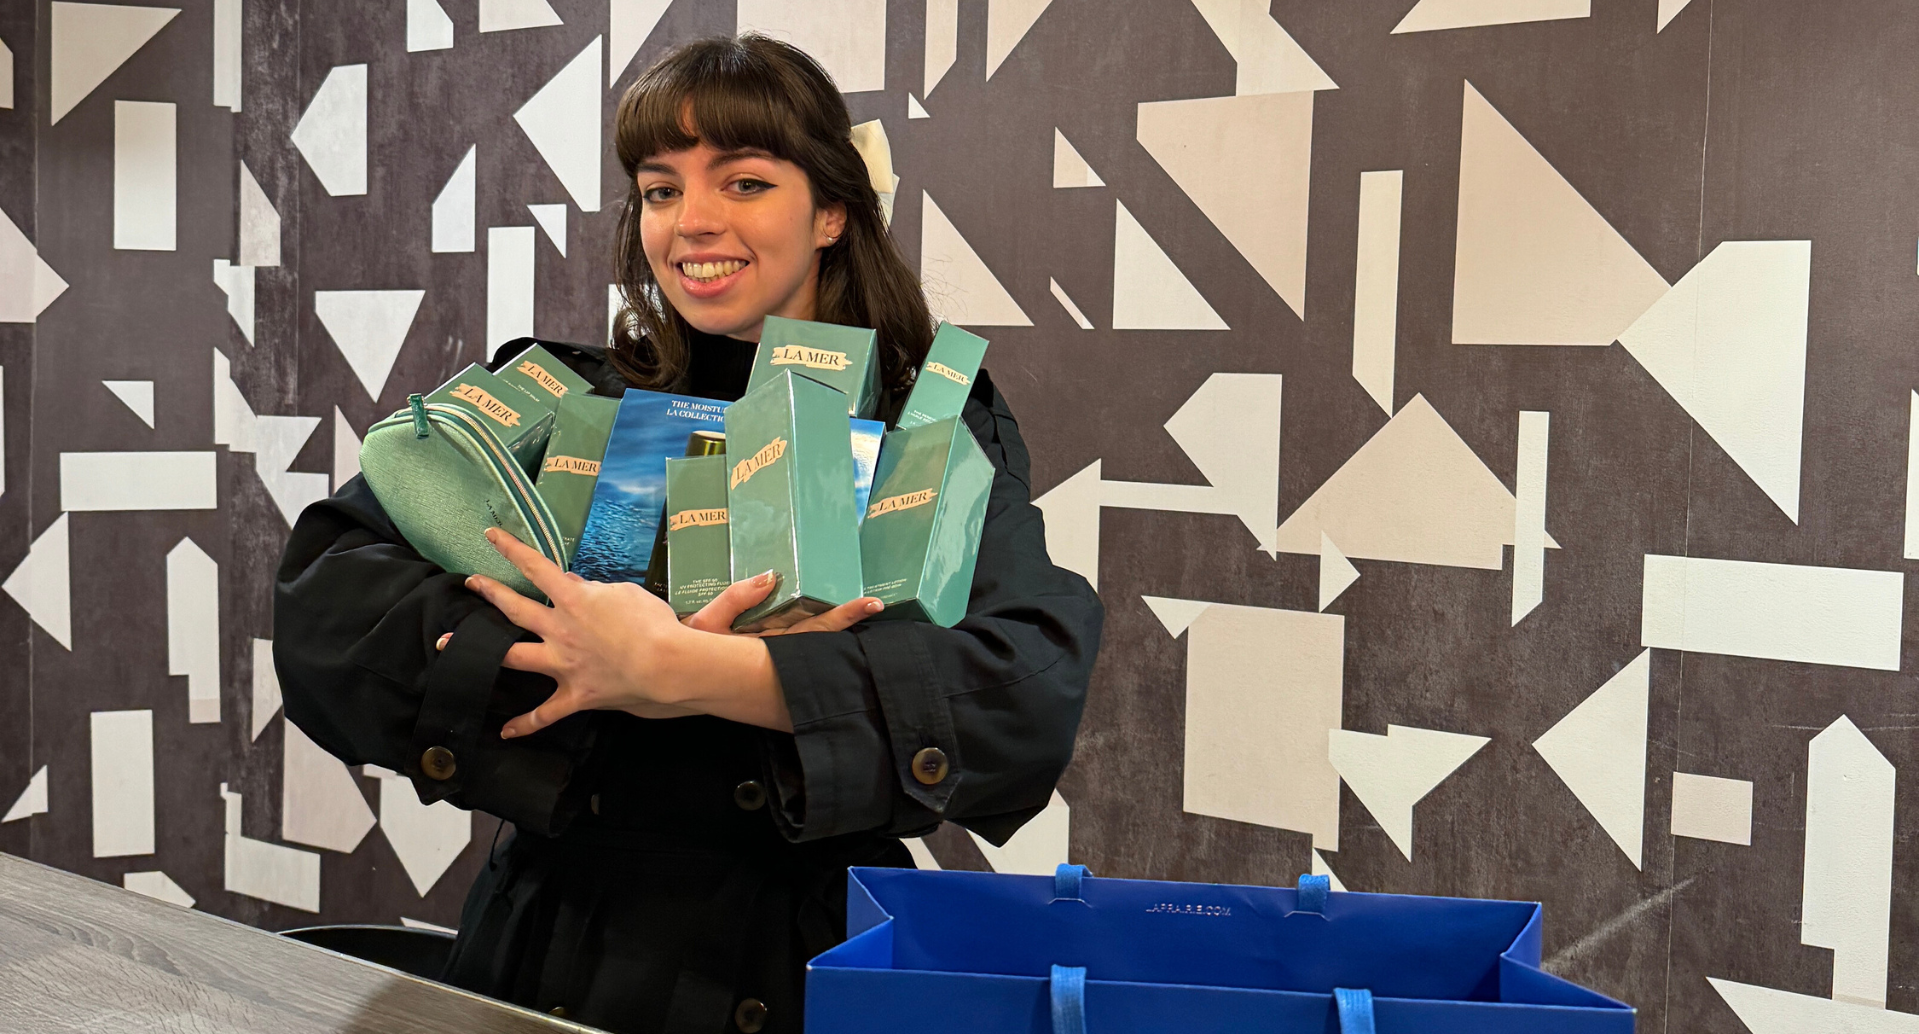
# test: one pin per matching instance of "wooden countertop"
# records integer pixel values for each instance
(78, 955)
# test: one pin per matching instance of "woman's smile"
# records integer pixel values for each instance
(706, 277)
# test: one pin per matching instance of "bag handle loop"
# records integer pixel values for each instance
(1069, 999)
(1067, 880)
(1355, 1007)
(1312, 894)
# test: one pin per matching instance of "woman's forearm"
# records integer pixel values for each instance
(730, 677)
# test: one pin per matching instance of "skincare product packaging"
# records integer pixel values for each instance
(921, 534)
(521, 422)
(790, 499)
(945, 379)
(536, 372)
(836, 356)
(699, 559)
(630, 495)
(571, 468)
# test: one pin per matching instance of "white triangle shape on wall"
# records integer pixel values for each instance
(368, 327)
(502, 15)
(1668, 10)
(914, 109)
(427, 26)
(1728, 343)
(346, 450)
(1069, 169)
(1392, 773)
(32, 800)
(563, 121)
(1269, 59)
(1176, 615)
(27, 284)
(91, 42)
(1599, 751)
(1149, 291)
(453, 209)
(552, 219)
(41, 583)
(320, 801)
(629, 23)
(1007, 22)
(1336, 573)
(138, 395)
(957, 279)
(1432, 15)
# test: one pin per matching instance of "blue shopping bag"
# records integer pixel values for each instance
(976, 952)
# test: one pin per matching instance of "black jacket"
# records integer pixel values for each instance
(664, 872)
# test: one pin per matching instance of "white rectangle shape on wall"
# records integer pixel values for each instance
(1781, 612)
(1912, 480)
(847, 37)
(193, 628)
(122, 747)
(1376, 285)
(145, 176)
(226, 54)
(1710, 808)
(1529, 514)
(138, 481)
(1263, 689)
(509, 284)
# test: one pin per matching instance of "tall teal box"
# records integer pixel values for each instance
(790, 504)
(920, 539)
(838, 357)
(945, 378)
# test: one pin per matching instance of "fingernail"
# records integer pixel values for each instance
(441, 645)
(765, 578)
(875, 607)
(507, 733)
(472, 580)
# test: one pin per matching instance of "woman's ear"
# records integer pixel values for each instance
(828, 223)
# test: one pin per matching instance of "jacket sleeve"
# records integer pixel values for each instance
(999, 694)
(356, 616)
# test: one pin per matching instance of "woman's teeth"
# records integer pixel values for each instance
(705, 271)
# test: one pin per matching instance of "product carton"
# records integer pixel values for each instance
(699, 559)
(921, 535)
(630, 495)
(571, 468)
(538, 373)
(789, 488)
(521, 422)
(945, 379)
(867, 435)
(836, 356)
(699, 443)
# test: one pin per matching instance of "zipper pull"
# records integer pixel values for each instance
(421, 428)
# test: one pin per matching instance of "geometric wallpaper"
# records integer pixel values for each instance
(1488, 422)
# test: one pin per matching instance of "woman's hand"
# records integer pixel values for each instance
(736, 599)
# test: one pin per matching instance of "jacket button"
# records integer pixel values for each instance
(558, 1010)
(750, 796)
(750, 1017)
(929, 765)
(593, 802)
(437, 764)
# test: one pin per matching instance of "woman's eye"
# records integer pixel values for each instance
(659, 195)
(751, 186)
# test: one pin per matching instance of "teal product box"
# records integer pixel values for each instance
(521, 422)
(789, 491)
(536, 372)
(571, 469)
(920, 539)
(698, 556)
(839, 357)
(945, 379)
(630, 494)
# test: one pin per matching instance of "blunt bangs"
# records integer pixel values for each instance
(726, 96)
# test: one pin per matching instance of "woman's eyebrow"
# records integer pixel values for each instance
(738, 154)
(657, 168)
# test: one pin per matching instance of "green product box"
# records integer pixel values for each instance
(789, 499)
(520, 421)
(571, 468)
(920, 539)
(536, 372)
(836, 356)
(698, 556)
(945, 379)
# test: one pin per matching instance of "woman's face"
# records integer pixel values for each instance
(733, 237)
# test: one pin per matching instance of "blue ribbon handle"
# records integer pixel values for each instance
(1066, 881)
(1355, 1010)
(1313, 892)
(1069, 999)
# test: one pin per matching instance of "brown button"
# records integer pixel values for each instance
(437, 764)
(750, 1017)
(750, 796)
(929, 765)
(558, 1010)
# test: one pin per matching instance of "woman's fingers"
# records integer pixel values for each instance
(840, 618)
(734, 600)
(531, 657)
(543, 573)
(557, 706)
(517, 608)
(444, 639)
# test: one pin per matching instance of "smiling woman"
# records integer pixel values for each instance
(686, 800)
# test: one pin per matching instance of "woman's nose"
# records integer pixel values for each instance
(699, 215)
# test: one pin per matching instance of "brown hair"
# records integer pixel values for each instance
(752, 92)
